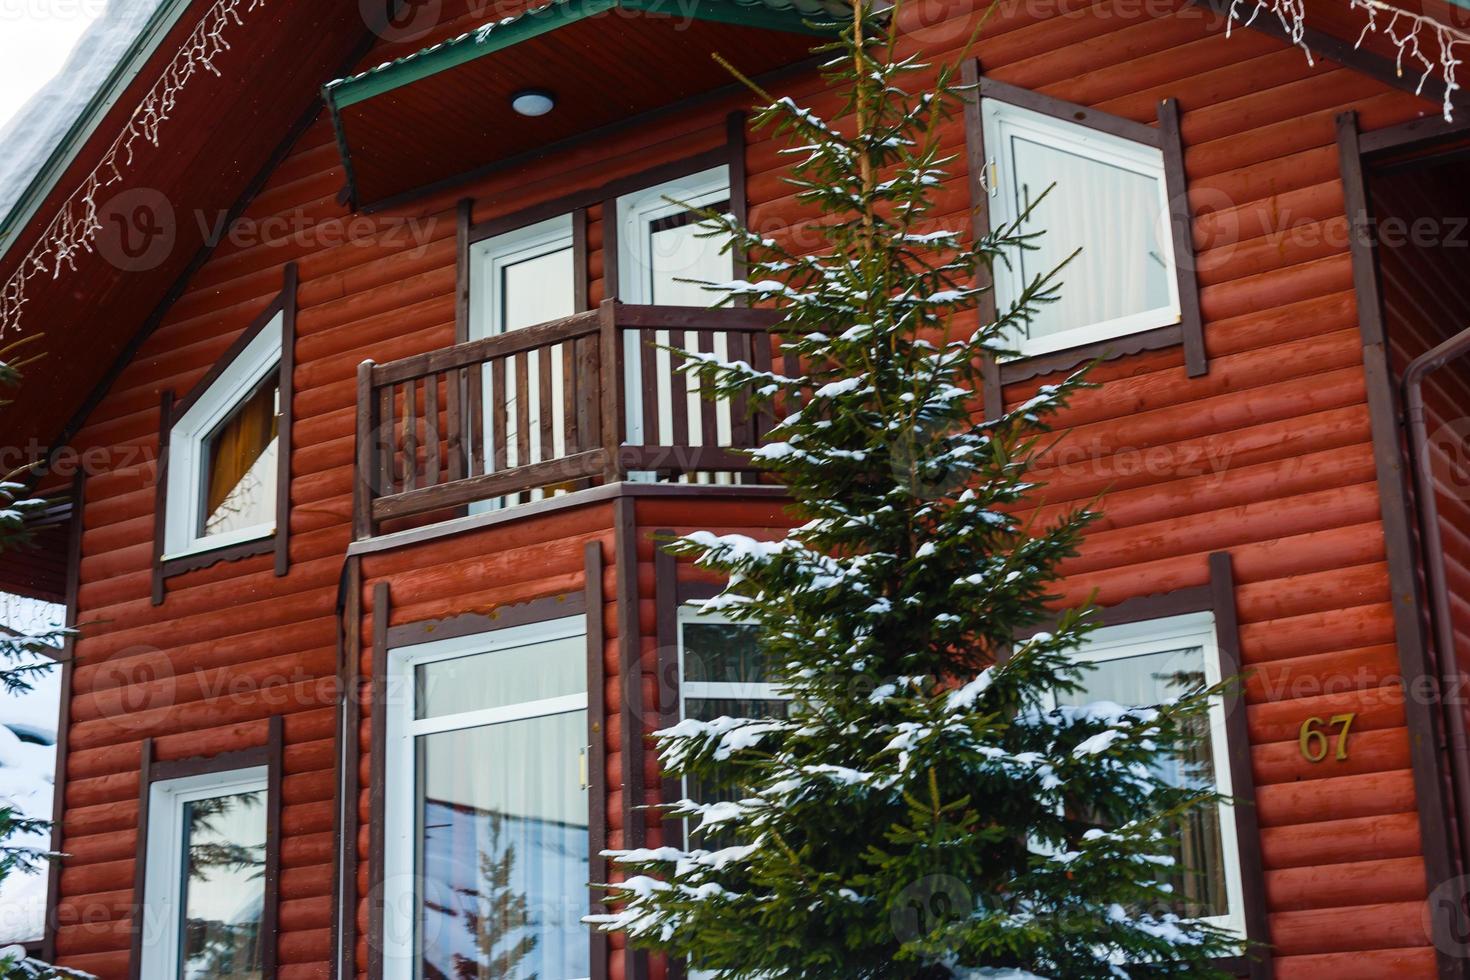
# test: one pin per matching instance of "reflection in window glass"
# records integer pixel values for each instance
(502, 845)
(240, 481)
(1113, 214)
(680, 248)
(723, 653)
(1154, 678)
(223, 888)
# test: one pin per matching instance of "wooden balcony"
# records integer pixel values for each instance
(547, 409)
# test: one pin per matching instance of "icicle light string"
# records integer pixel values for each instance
(1419, 39)
(74, 228)
(1404, 29)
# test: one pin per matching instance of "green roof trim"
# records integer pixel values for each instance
(777, 15)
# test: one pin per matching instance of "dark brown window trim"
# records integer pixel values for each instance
(1188, 332)
(151, 770)
(171, 410)
(1429, 761)
(386, 638)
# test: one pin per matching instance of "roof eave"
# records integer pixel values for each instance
(86, 124)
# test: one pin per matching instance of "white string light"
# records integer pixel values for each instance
(74, 228)
(1291, 13)
(1419, 39)
(1404, 29)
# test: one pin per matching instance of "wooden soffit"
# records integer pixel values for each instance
(444, 113)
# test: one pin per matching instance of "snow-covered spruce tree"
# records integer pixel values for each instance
(23, 658)
(924, 810)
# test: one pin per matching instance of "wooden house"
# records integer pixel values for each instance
(366, 450)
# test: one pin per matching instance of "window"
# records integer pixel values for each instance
(1151, 662)
(205, 885)
(223, 453)
(661, 243)
(722, 672)
(664, 252)
(487, 870)
(1108, 198)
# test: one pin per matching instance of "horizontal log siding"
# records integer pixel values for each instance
(1266, 456)
(477, 573)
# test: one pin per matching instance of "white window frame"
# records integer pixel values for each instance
(163, 877)
(188, 450)
(712, 690)
(636, 211)
(399, 874)
(1176, 633)
(1001, 120)
(490, 256)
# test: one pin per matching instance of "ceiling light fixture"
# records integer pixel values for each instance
(533, 102)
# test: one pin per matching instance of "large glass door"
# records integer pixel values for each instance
(487, 840)
(517, 280)
(665, 251)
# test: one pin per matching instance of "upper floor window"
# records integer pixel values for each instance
(665, 251)
(223, 452)
(205, 889)
(487, 835)
(1156, 661)
(1107, 197)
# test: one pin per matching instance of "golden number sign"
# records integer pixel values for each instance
(1313, 740)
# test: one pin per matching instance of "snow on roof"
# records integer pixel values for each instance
(35, 132)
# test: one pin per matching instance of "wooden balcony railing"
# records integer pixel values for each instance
(547, 409)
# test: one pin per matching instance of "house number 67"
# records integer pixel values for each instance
(1313, 738)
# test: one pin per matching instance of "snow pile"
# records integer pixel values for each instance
(31, 136)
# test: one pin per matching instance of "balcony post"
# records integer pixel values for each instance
(614, 425)
(366, 458)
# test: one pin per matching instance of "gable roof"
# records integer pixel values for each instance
(219, 146)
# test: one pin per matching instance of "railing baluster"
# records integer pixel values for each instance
(648, 373)
(739, 344)
(431, 430)
(523, 408)
(454, 423)
(387, 442)
(410, 434)
(474, 417)
(678, 390)
(544, 357)
(498, 427)
(761, 359)
(708, 422)
(571, 431)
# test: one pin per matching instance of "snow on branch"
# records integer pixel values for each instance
(74, 228)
